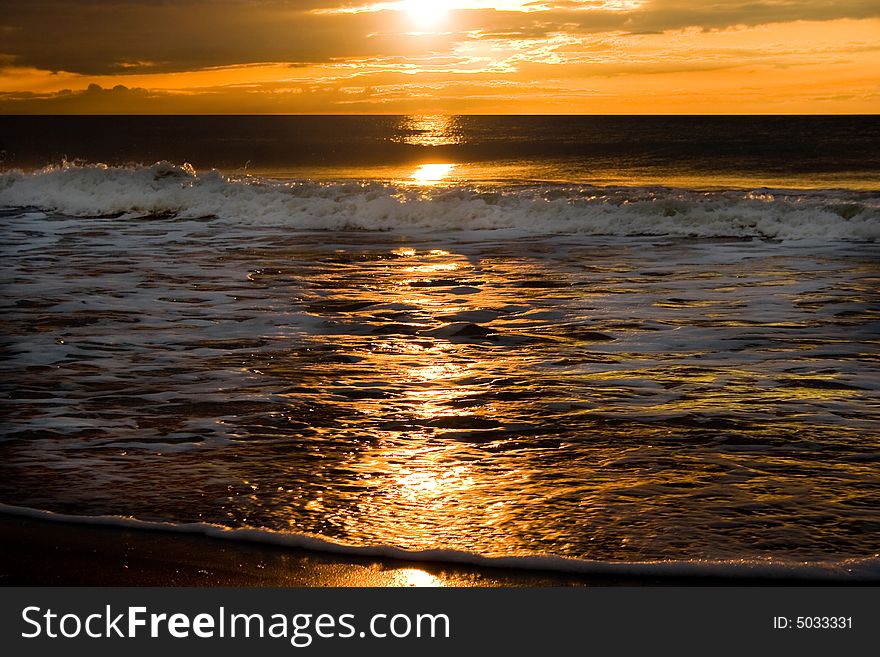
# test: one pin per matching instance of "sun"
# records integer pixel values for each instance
(428, 13)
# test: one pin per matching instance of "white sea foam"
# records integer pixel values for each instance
(167, 189)
(863, 569)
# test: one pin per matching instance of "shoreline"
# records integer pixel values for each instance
(41, 552)
(51, 553)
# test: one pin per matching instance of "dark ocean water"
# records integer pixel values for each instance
(778, 151)
(612, 339)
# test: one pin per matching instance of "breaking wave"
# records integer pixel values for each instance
(165, 189)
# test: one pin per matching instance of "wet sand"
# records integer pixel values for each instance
(40, 553)
(46, 553)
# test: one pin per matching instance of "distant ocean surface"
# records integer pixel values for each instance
(678, 151)
(596, 340)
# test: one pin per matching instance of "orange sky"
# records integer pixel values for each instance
(440, 56)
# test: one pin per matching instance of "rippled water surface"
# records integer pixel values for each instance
(599, 397)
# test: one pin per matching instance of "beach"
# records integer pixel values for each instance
(47, 553)
(578, 373)
(40, 553)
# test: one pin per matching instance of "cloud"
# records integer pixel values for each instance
(103, 37)
(99, 37)
(266, 56)
(92, 100)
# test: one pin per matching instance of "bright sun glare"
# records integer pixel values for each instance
(427, 13)
(429, 174)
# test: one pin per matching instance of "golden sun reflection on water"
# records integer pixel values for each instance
(434, 132)
(429, 478)
(492, 401)
(431, 174)
(430, 268)
(429, 130)
(440, 393)
(436, 372)
(408, 466)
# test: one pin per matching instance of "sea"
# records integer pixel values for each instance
(583, 343)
